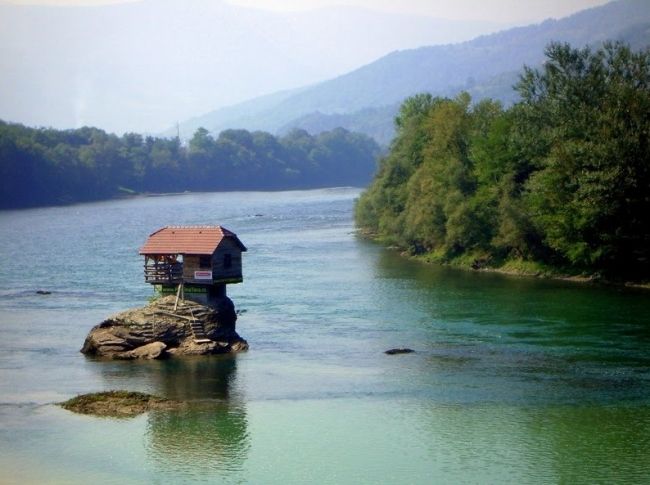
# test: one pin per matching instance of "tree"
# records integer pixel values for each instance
(589, 196)
(562, 176)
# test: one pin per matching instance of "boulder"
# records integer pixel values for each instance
(102, 341)
(159, 329)
(154, 350)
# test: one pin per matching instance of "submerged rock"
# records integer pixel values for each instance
(158, 330)
(399, 351)
(118, 404)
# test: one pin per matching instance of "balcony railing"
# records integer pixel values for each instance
(163, 273)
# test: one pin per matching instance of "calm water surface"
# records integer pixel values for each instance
(514, 380)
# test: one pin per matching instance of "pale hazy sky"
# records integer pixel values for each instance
(127, 73)
(507, 11)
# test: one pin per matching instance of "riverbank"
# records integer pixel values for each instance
(133, 163)
(530, 269)
(129, 194)
(483, 262)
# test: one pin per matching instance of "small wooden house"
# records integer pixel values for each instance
(201, 259)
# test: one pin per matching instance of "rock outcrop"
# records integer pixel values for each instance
(154, 350)
(158, 331)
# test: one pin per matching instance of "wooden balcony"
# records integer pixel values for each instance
(163, 273)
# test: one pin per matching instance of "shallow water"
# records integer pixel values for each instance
(514, 380)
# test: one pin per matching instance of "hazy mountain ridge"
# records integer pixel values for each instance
(376, 122)
(141, 66)
(486, 67)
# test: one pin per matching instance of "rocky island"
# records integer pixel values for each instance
(167, 327)
(191, 314)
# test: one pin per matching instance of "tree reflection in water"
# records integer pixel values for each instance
(210, 434)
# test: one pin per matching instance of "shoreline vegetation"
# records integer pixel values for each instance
(45, 167)
(558, 185)
(509, 267)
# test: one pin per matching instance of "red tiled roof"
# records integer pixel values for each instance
(188, 240)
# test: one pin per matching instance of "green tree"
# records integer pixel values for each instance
(589, 196)
(562, 177)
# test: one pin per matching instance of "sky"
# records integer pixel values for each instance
(495, 10)
(148, 64)
(506, 11)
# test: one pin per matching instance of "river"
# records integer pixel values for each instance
(513, 380)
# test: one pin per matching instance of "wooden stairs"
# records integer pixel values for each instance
(148, 329)
(195, 320)
(148, 332)
(200, 337)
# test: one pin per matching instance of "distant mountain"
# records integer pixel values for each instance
(376, 122)
(143, 65)
(486, 67)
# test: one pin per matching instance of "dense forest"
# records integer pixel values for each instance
(47, 166)
(560, 179)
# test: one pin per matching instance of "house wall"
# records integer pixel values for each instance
(190, 265)
(219, 271)
(209, 295)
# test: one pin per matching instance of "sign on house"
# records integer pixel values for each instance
(203, 275)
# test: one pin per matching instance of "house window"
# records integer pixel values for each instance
(205, 262)
(227, 261)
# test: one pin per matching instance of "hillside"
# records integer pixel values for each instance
(485, 66)
(376, 122)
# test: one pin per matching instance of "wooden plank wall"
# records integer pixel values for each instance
(191, 263)
(227, 246)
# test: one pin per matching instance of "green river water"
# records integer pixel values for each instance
(513, 380)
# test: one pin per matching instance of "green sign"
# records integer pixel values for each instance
(171, 290)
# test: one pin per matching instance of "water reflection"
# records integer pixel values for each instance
(210, 434)
(536, 444)
(492, 338)
(611, 443)
(198, 378)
